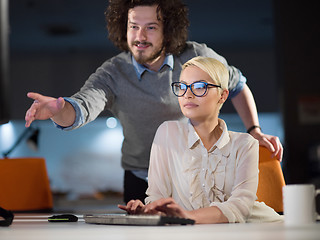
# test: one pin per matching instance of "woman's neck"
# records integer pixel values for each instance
(208, 131)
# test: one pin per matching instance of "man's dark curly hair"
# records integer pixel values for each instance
(173, 13)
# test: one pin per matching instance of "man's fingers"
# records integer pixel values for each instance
(30, 115)
(28, 122)
(60, 102)
(33, 95)
(278, 147)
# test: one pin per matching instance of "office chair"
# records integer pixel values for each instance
(24, 185)
(271, 180)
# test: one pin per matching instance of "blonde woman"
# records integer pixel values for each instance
(199, 169)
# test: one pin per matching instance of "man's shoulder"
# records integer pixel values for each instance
(192, 46)
(118, 64)
(119, 59)
(194, 49)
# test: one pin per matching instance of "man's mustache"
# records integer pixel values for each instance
(142, 43)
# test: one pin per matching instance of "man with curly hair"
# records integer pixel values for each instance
(135, 84)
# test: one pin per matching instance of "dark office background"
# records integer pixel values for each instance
(56, 44)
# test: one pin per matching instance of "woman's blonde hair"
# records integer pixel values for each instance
(216, 70)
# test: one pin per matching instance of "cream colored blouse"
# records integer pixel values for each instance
(225, 177)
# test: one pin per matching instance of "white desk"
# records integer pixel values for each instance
(36, 227)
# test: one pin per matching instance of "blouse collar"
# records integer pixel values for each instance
(223, 144)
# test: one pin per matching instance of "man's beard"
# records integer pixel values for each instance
(142, 58)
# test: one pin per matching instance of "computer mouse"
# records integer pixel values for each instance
(63, 218)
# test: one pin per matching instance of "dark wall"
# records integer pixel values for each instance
(297, 44)
(55, 45)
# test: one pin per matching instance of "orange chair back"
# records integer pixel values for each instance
(24, 185)
(271, 180)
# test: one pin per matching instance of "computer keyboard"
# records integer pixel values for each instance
(125, 219)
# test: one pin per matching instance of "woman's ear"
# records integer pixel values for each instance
(224, 96)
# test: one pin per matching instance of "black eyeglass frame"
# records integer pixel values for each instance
(190, 86)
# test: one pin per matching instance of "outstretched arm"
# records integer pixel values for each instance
(245, 105)
(43, 107)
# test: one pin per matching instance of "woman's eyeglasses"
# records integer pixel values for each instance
(197, 88)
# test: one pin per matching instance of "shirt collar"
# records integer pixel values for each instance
(222, 144)
(140, 69)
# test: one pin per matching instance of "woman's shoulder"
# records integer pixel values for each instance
(242, 139)
(172, 129)
(173, 125)
(244, 148)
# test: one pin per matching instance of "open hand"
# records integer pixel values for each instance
(43, 107)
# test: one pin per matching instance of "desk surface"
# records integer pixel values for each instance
(37, 227)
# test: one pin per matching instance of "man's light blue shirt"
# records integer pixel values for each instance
(140, 69)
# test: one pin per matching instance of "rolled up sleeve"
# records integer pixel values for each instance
(235, 86)
(79, 116)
